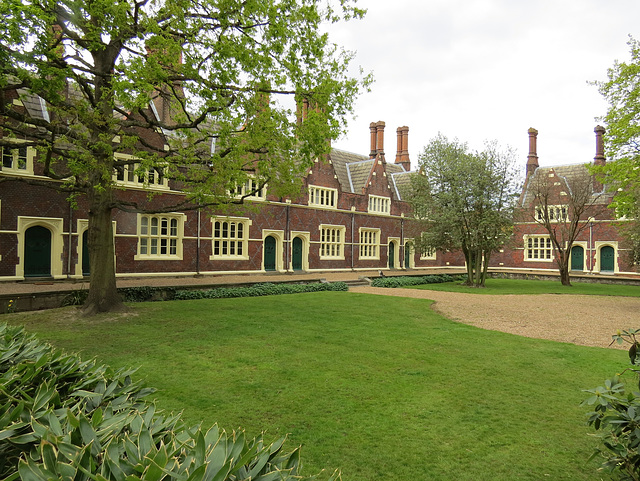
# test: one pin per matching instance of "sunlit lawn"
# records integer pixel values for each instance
(518, 286)
(380, 387)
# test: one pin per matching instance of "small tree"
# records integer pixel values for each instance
(163, 82)
(564, 206)
(464, 201)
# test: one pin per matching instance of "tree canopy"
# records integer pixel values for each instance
(464, 200)
(206, 93)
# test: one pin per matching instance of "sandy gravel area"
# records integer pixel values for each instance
(582, 320)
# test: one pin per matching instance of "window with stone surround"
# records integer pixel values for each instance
(379, 205)
(538, 248)
(369, 243)
(131, 175)
(160, 236)
(332, 241)
(230, 238)
(323, 197)
(17, 160)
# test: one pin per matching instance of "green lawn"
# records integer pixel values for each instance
(517, 286)
(380, 387)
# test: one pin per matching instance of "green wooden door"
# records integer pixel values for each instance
(37, 252)
(296, 258)
(85, 254)
(577, 258)
(392, 255)
(408, 250)
(607, 259)
(270, 253)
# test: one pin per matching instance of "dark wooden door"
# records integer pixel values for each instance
(37, 252)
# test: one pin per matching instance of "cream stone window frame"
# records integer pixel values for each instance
(160, 236)
(17, 160)
(379, 204)
(250, 185)
(230, 238)
(428, 254)
(332, 239)
(56, 226)
(538, 248)
(323, 197)
(126, 175)
(369, 246)
(557, 213)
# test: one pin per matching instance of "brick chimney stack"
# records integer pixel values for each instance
(532, 158)
(402, 153)
(380, 140)
(599, 159)
(373, 130)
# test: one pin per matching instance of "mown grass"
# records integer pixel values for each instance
(520, 286)
(380, 387)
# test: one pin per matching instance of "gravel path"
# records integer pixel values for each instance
(582, 320)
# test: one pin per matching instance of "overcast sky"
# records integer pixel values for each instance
(487, 69)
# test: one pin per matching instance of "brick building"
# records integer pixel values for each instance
(349, 216)
(598, 249)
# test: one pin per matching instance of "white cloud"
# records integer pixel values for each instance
(487, 69)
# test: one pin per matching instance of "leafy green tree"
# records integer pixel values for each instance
(622, 142)
(464, 201)
(228, 74)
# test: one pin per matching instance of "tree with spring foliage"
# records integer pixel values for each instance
(622, 142)
(187, 90)
(464, 200)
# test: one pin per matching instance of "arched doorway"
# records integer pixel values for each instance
(607, 259)
(392, 255)
(85, 254)
(270, 253)
(37, 252)
(296, 254)
(408, 252)
(577, 258)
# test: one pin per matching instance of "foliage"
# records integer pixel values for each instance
(622, 142)
(264, 289)
(206, 94)
(617, 415)
(63, 418)
(464, 201)
(405, 281)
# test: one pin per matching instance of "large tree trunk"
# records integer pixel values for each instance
(103, 294)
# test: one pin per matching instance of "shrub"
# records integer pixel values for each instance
(64, 418)
(264, 289)
(404, 281)
(616, 416)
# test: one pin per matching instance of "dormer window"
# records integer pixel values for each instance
(379, 205)
(17, 160)
(323, 197)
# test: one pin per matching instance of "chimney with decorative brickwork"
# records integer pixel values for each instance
(532, 158)
(402, 153)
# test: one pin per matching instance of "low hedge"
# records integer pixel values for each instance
(264, 289)
(149, 293)
(404, 281)
(68, 419)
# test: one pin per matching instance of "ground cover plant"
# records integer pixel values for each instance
(521, 286)
(379, 387)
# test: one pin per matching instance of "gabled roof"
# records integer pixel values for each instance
(342, 162)
(564, 173)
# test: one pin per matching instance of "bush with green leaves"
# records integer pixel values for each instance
(405, 281)
(263, 289)
(67, 419)
(616, 416)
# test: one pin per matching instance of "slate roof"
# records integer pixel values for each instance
(564, 173)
